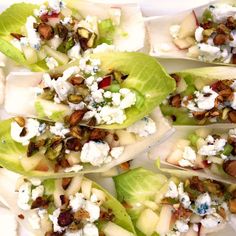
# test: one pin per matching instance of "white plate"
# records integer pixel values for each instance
(150, 8)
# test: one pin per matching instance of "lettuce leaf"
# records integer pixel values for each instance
(198, 77)
(137, 186)
(10, 196)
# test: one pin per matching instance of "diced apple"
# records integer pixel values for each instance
(203, 132)
(101, 196)
(200, 142)
(112, 229)
(58, 192)
(30, 163)
(175, 157)
(182, 85)
(59, 56)
(44, 165)
(199, 163)
(193, 51)
(55, 42)
(75, 185)
(163, 225)
(41, 54)
(53, 21)
(125, 137)
(184, 43)
(195, 219)
(86, 188)
(188, 26)
(147, 222)
(30, 54)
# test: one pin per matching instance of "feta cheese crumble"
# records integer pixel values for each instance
(51, 62)
(59, 129)
(189, 157)
(143, 127)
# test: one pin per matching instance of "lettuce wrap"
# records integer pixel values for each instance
(64, 206)
(184, 205)
(203, 34)
(57, 32)
(203, 96)
(110, 90)
(34, 147)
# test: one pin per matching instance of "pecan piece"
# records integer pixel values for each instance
(232, 116)
(229, 167)
(76, 80)
(98, 134)
(182, 213)
(220, 39)
(65, 218)
(196, 183)
(20, 121)
(234, 58)
(39, 202)
(125, 165)
(106, 215)
(73, 144)
(232, 206)
(76, 117)
(81, 215)
(46, 31)
(175, 101)
(199, 115)
(66, 182)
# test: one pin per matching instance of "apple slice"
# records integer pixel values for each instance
(188, 26)
(184, 43)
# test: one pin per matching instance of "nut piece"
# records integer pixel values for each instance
(65, 218)
(175, 101)
(230, 167)
(46, 31)
(234, 58)
(76, 80)
(20, 121)
(66, 182)
(62, 31)
(81, 215)
(98, 134)
(232, 116)
(232, 205)
(74, 98)
(76, 117)
(220, 39)
(73, 144)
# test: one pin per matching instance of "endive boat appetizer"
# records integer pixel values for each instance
(206, 33)
(57, 32)
(70, 206)
(110, 90)
(203, 96)
(176, 206)
(40, 148)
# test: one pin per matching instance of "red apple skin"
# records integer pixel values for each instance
(42, 166)
(197, 23)
(45, 17)
(106, 82)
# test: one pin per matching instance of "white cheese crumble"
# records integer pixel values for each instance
(90, 230)
(189, 157)
(74, 52)
(77, 201)
(24, 196)
(94, 152)
(174, 31)
(203, 204)
(208, 52)
(143, 127)
(93, 210)
(32, 130)
(51, 62)
(59, 129)
(181, 226)
(56, 5)
(32, 34)
(213, 146)
(221, 12)
(54, 219)
(172, 191)
(198, 34)
(37, 192)
(116, 152)
(41, 11)
(211, 221)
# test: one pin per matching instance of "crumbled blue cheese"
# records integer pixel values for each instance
(41, 11)
(56, 5)
(181, 226)
(32, 130)
(77, 201)
(89, 66)
(213, 146)
(32, 34)
(183, 196)
(93, 210)
(74, 168)
(66, 20)
(143, 127)
(24, 196)
(203, 204)
(189, 157)
(221, 12)
(35, 181)
(90, 230)
(59, 129)
(199, 34)
(37, 192)
(208, 52)
(95, 152)
(74, 52)
(172, 191)
(211, 221)
(51, 62)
